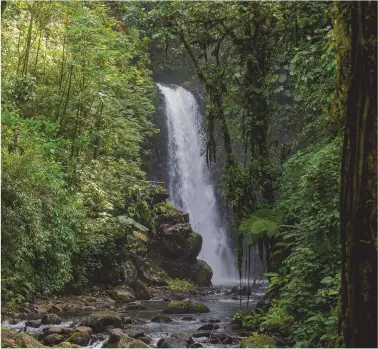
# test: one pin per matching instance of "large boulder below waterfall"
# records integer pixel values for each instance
(201, 273)
(102, 320)
(186, 307)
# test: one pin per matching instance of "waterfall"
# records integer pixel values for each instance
(190, 185)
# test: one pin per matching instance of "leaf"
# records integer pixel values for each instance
(140, 236)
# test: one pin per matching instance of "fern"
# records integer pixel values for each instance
(263, 221)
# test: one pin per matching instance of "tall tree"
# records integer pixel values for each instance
(358, 205)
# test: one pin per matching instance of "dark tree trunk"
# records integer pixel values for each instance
(358, 204)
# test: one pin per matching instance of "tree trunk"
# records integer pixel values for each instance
(358, 200)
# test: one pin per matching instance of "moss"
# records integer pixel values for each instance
(75, 336)
(256, 340)
(10, 339)
(184, 307)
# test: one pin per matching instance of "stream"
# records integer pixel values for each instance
(222, 304)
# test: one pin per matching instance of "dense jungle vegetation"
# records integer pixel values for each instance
(290, 103)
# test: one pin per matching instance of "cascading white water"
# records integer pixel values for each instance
(190, 186)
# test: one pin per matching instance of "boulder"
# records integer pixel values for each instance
(33, 323)
(161, 318)
(118, 339)
(10, 339)
(51, 319)
(145, 339)
(208, 327)
(49, 330)
(175, 340)
(186, 307)
(102, 320)
(202, 273)
(79, 338)
(53, 339)
(134, 334)
(194, 246)
(188, 318)
(256, 340)
(135, 306)
(123, 294)
(83, 329)
(141, 290)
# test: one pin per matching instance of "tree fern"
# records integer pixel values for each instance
(263, 221)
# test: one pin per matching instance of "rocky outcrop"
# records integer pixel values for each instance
(178, 247)
(176, 340)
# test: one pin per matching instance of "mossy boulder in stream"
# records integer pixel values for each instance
(79, 338)
(102, 320)
(256, 340)
(186, 307)
(10, 339)
(202, 273)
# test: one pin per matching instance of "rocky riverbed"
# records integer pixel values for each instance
(200, 319)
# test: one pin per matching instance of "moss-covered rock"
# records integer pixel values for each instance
(161, 318)
(141, 290)
(53, 339)
(256, 340)
(194, 246)
(79, 338)
(51, 319)
(118, 339)
(10, 339)
(102, 320)
(123, 294)
(202, 273)
(185, 307)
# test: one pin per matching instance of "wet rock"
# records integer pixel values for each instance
(127, 320)
(188, 318)
(33, 323)
(210, 321)
(138, 321)
(175, 340)
(79, 338)
(220, 338)
(53, 339)
(66, 345)
(186, 307)
(118, 339)
(136, 305)
(134, 334)
(83, 329)
(51, 319)
(206, 334)
(123, 294)
(202, 273)
(161, 318)
(11, 339)
(196, 345)
(208, 327)
(49, 330)
(102, 320)
(145, 339)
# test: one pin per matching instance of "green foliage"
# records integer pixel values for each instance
(178, 285)
(76, 106)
